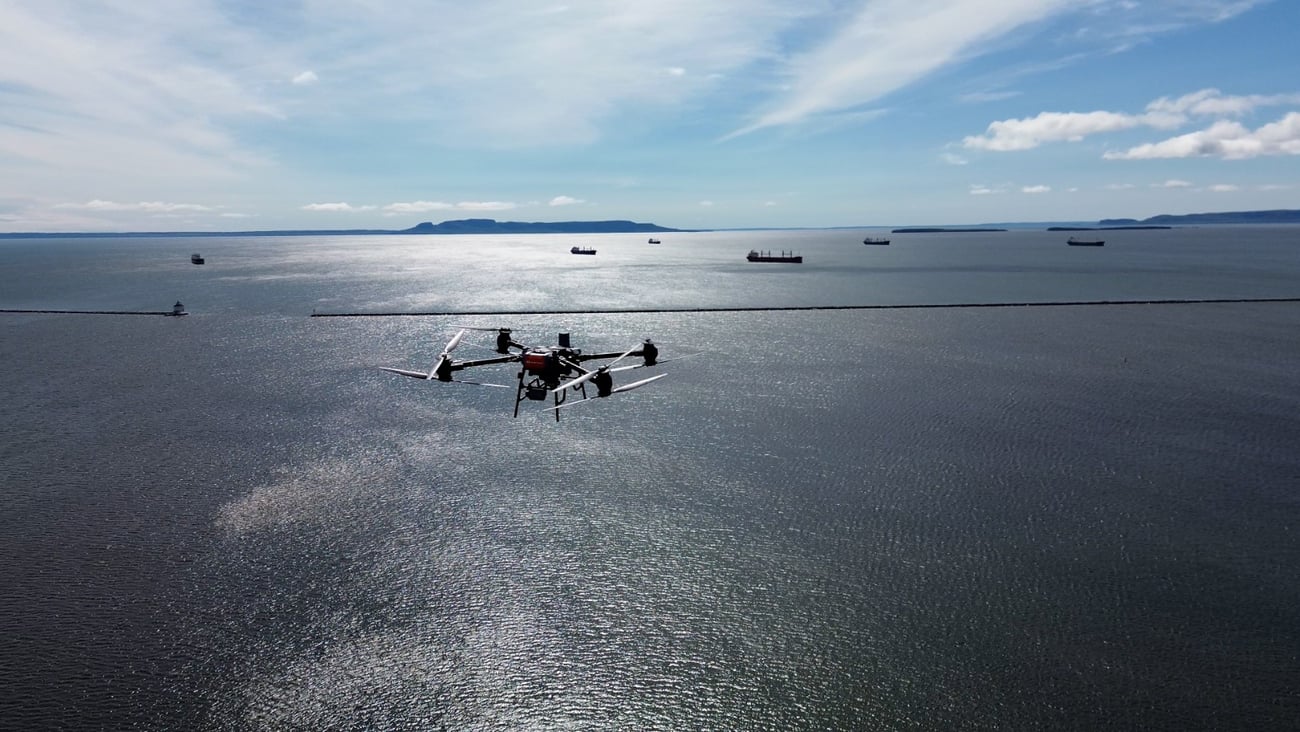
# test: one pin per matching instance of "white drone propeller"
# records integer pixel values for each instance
(425, 377)
(433, 371)
(451, 346)
(626, 387)
(589, 375)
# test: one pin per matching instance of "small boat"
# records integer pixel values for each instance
(757, 256)
(1085, 242)
(582, 250)
(196, 259)
(869, 241)
(653, 241)
(178, 309)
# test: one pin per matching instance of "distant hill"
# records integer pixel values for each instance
(492, 226)
(461, 226)
(1277, 216)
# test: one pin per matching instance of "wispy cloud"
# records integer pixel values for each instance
(983, 97)
(1036, 189)
(102, 87)
(142, 206)
(226, 101)
(888, 44)
(1173, 183)
(336, 207)
(417, 207)
(564, 201)
(409, 207)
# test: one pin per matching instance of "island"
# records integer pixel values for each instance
(1274, 216)
(492, 226)
(1134, 227)
(459, 226)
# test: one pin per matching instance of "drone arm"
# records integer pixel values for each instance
(618, 355)
(458, 365)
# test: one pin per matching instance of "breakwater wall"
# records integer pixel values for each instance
(90, 312)
(922, 306)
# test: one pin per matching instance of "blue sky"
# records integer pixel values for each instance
(159, 115)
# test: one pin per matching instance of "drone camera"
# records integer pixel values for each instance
(537, 395)
(564, 341)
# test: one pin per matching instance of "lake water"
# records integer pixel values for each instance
(1079, 517)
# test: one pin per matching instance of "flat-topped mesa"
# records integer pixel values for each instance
(492, 226)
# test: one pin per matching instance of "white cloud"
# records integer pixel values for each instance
(213, 94)
(706, 204)
(1224, 139)
(1223, 188)
(564, 201)
(142, 206)
(417, 207)
(1036, 189)
(1173, 183)
(1212, 102)
(1025, 134)
(336, 207)
(101, 87)
(953, 159)
(427, 206)
(1163, 113)
(983, 190)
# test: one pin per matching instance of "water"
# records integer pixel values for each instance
(1028, 518)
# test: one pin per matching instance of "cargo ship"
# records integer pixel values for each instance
(582, 250)
(1085, 242)
(757, 256)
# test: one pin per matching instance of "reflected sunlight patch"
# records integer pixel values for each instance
(327, 490)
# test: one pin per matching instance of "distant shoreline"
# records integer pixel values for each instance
(942, 230)
(1105, 228)
(491, 226)
(454, 227)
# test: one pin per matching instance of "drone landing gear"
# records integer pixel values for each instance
(536, 390)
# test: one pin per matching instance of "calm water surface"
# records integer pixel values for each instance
(1030, 518)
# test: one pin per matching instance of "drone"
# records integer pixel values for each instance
(544, 371)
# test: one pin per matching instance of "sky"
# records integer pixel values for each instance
(236, 115)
